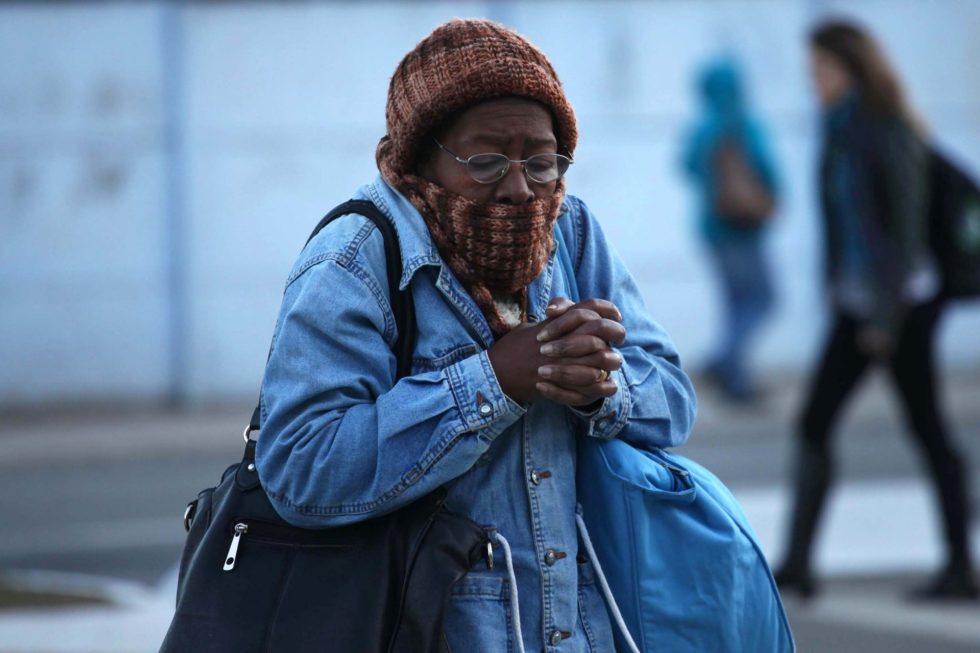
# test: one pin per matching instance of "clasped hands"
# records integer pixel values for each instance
(567, 358)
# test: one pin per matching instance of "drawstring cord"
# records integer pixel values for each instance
(515, 607)
(606, 592)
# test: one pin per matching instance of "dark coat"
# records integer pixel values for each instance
(874, 193)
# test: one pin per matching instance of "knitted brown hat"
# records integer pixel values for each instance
(461, 63)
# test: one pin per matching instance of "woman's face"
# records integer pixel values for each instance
(831, 80)
(515, 127)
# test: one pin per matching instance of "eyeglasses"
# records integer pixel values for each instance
(490, 168)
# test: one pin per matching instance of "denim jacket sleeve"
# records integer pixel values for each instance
(341, 440)
(655, 404)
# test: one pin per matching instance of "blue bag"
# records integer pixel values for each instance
(679, 556)
(678, 553)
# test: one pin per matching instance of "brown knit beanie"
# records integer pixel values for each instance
(461, 63)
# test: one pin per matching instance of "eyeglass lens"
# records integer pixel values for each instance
(541, 168)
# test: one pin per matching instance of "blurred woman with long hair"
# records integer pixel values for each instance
(884, 291)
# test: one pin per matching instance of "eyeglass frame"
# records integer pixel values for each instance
(506, 169)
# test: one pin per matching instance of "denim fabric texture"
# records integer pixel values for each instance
(746, 284)
(341, 441)
(874, 191)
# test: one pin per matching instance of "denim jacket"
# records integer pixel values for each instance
(341, 441)
(874, 190)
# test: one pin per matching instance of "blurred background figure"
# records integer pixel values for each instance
(884, 290)
(727, 159)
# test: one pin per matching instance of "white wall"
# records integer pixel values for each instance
(277, 109)
(81, 199)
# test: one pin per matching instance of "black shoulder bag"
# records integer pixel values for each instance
(954, 226)
(249, 581)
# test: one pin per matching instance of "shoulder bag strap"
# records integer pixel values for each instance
(401, 300)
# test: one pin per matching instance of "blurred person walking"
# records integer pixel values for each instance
(884, 291)
(727, 160)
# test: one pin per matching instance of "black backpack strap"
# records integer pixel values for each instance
(401, 300)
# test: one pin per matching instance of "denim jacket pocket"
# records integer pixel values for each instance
(593, 613)
(479, 618)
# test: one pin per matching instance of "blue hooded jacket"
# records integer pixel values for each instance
(725, 116)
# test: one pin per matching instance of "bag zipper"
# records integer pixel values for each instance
(279, 534)
(240, 529)
(674, 469)
(345, 537)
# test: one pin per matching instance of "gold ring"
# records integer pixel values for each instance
(603, 375)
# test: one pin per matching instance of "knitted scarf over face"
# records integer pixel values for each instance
(495, 250)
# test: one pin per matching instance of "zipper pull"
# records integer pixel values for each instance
(240, 529)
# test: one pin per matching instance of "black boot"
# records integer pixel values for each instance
(812, 483)
(954, 583)
(795, 581)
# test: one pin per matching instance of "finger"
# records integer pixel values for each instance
(573, 346)
(612, 332)
(592, 308)
(572, 377)
(603, 307)
(573, 397)
(558, 306)
(561, 395)
(566, 323)
(607, 359)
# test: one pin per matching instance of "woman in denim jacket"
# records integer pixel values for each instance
(507, 373)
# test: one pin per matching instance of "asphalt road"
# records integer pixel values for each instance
(103, 494)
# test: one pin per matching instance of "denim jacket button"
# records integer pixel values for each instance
(485, 409)
(555, 639)
(550, 557)
(537, 476)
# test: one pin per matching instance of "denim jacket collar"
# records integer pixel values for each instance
(417, 246)
(419, 250)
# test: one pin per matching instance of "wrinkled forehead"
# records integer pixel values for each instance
(502, 120)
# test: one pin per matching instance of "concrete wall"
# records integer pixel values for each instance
(160, 166)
